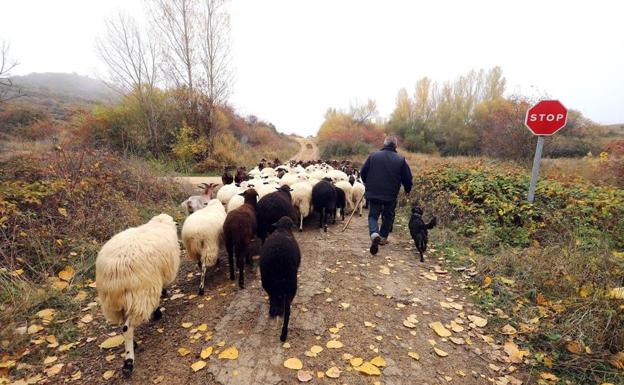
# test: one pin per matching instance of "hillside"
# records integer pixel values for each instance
(57, 93)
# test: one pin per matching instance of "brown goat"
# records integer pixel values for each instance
(239, 230)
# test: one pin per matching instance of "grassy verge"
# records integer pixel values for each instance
(545, 269)
(57, 207)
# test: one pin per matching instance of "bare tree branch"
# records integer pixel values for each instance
(8, 90)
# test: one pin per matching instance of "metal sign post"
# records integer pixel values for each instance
(543, 119)
(536, 166)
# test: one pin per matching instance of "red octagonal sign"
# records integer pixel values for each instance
(546, 117)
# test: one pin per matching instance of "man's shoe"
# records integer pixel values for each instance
(383, 241)
(375, 239)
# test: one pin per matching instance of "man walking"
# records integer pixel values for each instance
(383, 173)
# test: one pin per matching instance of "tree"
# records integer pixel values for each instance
(215, 53)
(177, 22)
(362, 113)
(131, 59)
(6, 66)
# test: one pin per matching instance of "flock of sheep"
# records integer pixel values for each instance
(135, 266)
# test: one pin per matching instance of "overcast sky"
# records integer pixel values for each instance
(294, 59)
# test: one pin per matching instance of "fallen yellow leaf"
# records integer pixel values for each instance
(316, 349)
(206, 352)
(49, 359)
(67, 273)
(34, 328)
(487, 281)
(414, 355)
(187, 325)
(369, 368)
(509, 330)
(575, 347)
(480, 322)
(333, 372)
(549, 377)
(230, 353)
(334, 344)
(440, 329)
(378, 362)
(293, 363)
(198, 365)
(515, 354)
(46, 314)
(616, 293)
(53, 370)
(112, 342)
(108, 374)
(440, 352)
(183, 351)
(356, 361)
(202, 327)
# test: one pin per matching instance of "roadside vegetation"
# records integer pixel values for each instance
(549, 273)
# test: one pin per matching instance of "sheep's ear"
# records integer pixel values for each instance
(275, 224)
(242, 194)
(278, 188)
(291, 190)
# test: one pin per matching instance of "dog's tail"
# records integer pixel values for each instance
(432, 223)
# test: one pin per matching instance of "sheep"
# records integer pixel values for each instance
(265, 189)
(324, 200)
(239, 229)
(279, 263)
(271, 208)
(226, 193)
(202, 234)
(196, 202)
(348, 191)
(341, 203)
(357, 194)
(301, 200)
(241, 175)
(268, 171)
(337, 175)
(227, 177)
(131, 271)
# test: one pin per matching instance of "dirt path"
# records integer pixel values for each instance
(309, 150)
(340, 283)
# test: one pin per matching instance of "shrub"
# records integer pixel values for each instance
(552, 262)
(56, 209)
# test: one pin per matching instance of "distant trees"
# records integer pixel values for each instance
(471, 116)
(6, 66)
(352, 132)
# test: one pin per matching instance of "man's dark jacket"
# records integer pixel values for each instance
(383, 173)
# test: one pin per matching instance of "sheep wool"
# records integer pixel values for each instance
(202, 235)
(131, 270)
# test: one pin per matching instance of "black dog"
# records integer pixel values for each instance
(418, 229)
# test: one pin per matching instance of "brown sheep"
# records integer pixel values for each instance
(239, 230)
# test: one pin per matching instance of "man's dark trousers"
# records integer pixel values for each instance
(386, 210)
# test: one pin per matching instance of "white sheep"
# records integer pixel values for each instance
(131, 271)
(202, 234)
(357, 194)
(301, 200)
(265, 189)
(226, 193)
(348, 190)
(338, 175)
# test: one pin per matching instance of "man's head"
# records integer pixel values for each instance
(390, 140)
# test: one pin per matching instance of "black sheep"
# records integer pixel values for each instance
(271, 208)
(419, 230)
(324, 200)
(279, 262)
(226, 178)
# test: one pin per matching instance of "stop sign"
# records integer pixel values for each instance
(546, 117)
